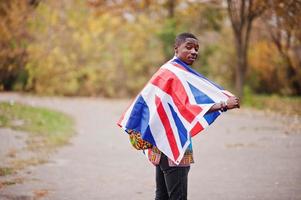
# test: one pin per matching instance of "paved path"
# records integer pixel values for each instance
(244, 155)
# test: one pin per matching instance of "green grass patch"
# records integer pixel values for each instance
(54, 127)
(4, 171)
(276, 103)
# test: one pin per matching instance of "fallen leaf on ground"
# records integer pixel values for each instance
(40, 193)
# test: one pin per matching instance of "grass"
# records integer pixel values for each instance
(53, 127)
(19, 164)
(47, 129)
(4, 171)
(275, 103)
(10, 182)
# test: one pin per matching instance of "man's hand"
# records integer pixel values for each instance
(233, 102)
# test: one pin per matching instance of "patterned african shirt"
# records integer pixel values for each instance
(154, 157)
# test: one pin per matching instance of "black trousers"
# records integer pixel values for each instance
(171, 182)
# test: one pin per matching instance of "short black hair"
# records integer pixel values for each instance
(182, 37)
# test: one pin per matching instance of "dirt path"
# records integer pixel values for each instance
(244, 155)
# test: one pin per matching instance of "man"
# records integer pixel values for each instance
(171, 180)
(166, 118)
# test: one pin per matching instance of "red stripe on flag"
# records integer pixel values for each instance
(177, 93)
(168, 130)
(120, 120)
(196, 129)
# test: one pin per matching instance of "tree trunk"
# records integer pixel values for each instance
(240, 67)
(291, 73)
(242, 13)
(171, 8)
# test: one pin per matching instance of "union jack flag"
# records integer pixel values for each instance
(172, 108)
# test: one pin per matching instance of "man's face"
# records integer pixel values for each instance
(188, 50)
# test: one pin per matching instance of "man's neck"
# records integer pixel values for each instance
(175, 57)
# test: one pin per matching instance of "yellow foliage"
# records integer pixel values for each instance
(13, 40)
(96, 55)
(263, 59)
(267, 71)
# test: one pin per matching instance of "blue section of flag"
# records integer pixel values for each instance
(139, 116)
(190, 145)
(200, 97)
(147, 135)
(181, 128)
(210, 117)
(139, 119)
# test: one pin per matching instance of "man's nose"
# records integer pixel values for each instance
(193, 51)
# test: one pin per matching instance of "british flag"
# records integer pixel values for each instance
(172, 107)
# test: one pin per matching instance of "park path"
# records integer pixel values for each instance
(245, 155)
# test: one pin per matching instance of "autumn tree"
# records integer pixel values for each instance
(242, 14)
(13, 40)
(283, 22)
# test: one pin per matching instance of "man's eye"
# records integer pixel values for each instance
(188, 47)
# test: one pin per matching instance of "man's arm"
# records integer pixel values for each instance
(231, 103)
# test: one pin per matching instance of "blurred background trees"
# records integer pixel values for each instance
(242, 14)
(13, 43)
(111, 48)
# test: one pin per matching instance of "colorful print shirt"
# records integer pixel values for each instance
(154, 156)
